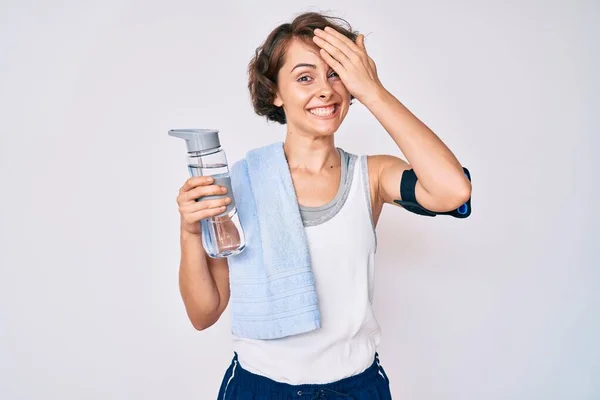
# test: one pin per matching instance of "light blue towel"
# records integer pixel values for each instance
(273, 291)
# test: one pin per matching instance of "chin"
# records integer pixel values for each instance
(326, 125)
(326, 131)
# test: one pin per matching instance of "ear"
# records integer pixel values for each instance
(277, 101)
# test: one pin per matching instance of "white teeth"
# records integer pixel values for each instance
(323, 111)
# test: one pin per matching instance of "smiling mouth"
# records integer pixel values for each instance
(327, 111)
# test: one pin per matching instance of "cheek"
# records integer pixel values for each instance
(297, 97)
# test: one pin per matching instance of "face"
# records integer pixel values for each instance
(312, 95)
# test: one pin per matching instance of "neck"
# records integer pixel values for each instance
(311, 153)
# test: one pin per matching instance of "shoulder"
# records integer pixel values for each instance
(379, 162)
(373, 161)
(376, 164)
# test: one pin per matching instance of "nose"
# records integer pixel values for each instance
(324, 90)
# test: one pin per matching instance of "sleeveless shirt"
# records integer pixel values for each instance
(342, 243)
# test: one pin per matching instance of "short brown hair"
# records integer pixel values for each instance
(269, 57)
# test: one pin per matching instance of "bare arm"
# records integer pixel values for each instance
(442, 184)
(203, 281)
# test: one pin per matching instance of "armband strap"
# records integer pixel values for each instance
(408, 183)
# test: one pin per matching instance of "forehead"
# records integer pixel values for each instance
(299, 51)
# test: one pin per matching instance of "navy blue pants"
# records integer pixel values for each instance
(239, 384)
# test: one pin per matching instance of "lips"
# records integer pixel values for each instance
(324, 111)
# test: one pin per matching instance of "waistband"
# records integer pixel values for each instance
(259, 384)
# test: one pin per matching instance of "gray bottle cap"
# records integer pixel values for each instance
(198, 139)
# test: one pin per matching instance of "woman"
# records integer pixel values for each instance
(305, 75)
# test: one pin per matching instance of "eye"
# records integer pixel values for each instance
(333, 74)
(304, 78)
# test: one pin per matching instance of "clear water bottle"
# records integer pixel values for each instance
(222, 235)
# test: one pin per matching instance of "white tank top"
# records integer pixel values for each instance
(342, 249)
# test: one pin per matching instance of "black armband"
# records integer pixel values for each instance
(408, 183)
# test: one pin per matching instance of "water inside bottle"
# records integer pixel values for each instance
(222, 234)
(208, 170)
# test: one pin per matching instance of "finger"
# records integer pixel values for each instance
(332, 51)
(357, 48)
(360, 41)
(364, 56)
(332, 62)
(344, 39)
(324, 39)
(197, 216)
(202, 191)
(208, 204)
(196, 181)
(203, 205)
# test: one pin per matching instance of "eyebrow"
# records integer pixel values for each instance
(304, 65)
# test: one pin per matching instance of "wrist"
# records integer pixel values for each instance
(376, 96)
(187, 235)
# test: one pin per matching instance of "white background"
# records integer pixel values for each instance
(504, 305)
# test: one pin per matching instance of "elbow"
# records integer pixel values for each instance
(202, 313)
(200, 327)
(448, 196)
(201, 324)
(455, 197)
(202, 320)
(464, 193)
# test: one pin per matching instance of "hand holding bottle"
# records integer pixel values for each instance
(193, 208)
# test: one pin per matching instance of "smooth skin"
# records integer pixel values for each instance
(322, 73)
